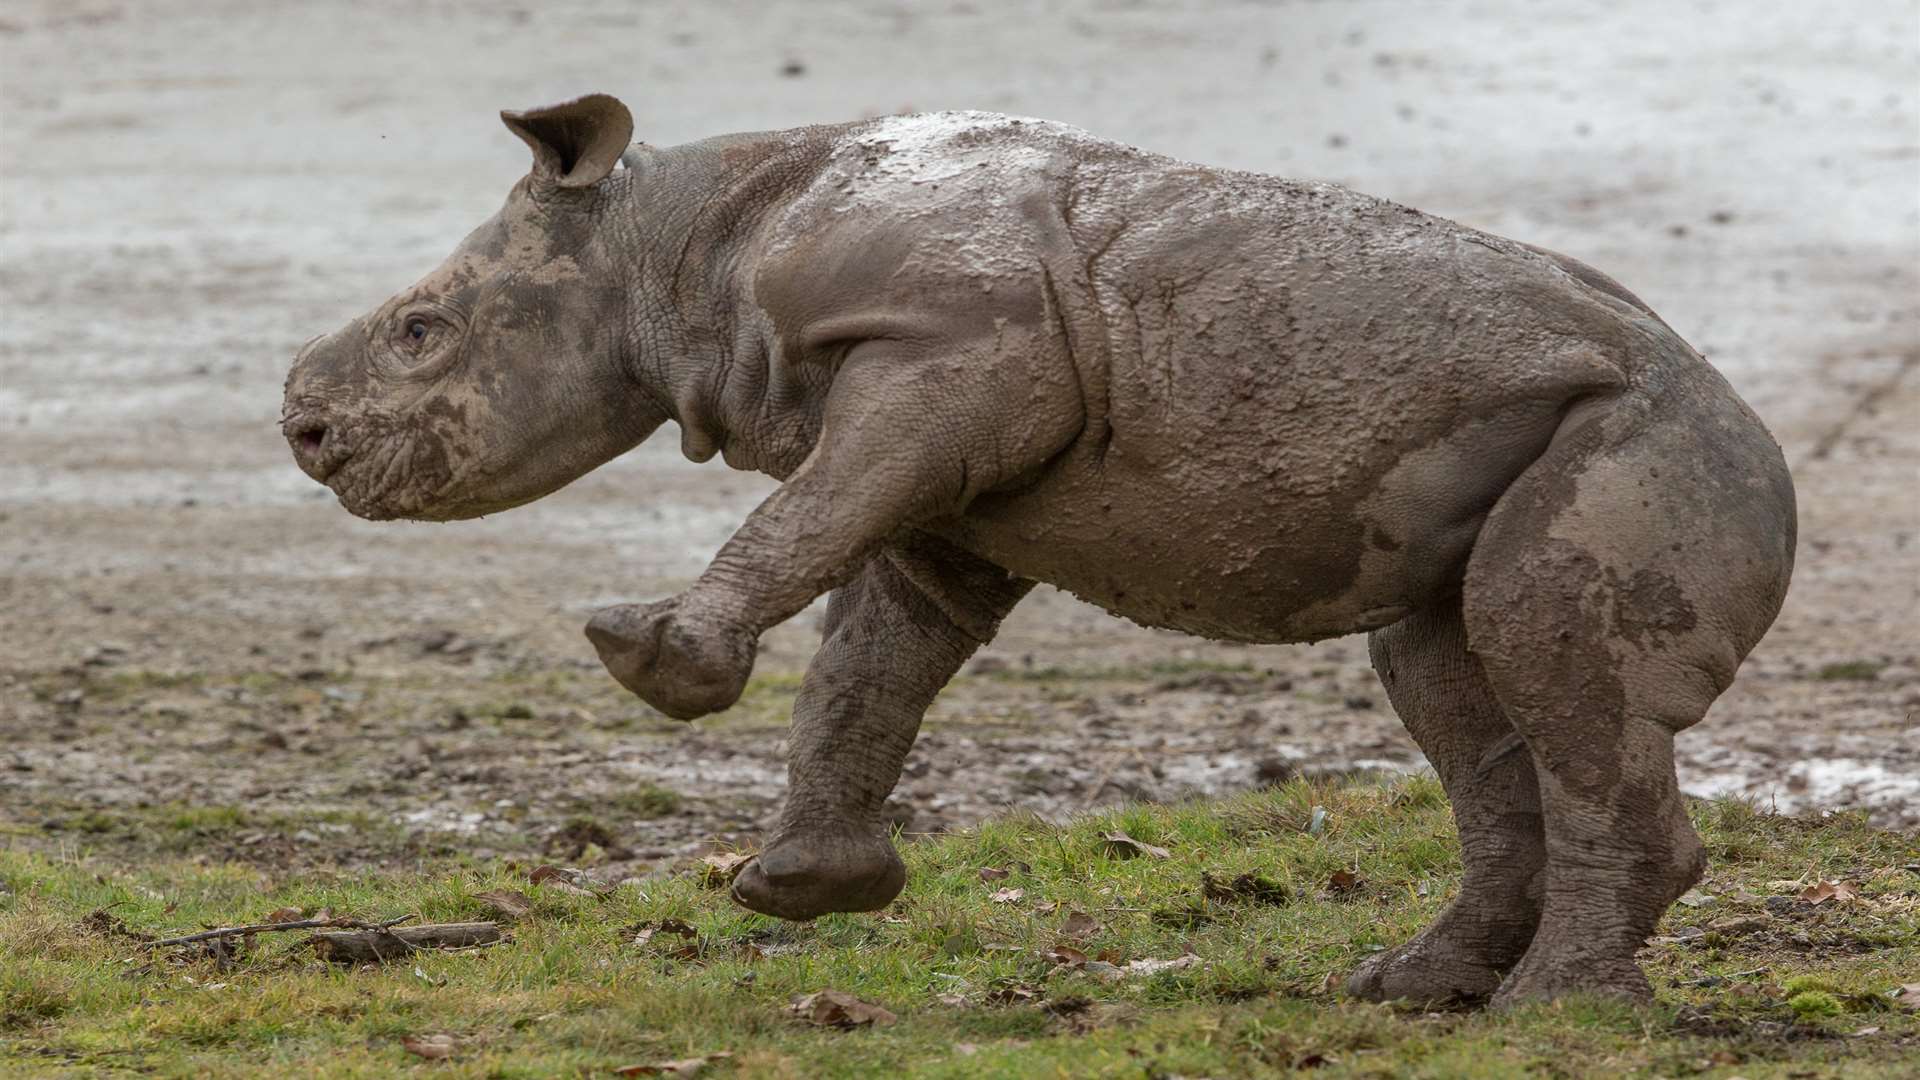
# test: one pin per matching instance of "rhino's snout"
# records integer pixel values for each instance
(316, 441)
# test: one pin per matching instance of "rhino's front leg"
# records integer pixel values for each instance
(683, 660)
(894, 635)
(911, 433)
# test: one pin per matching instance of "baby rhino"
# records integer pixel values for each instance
(982, 352)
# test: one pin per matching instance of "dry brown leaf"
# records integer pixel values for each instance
(509, 904)
(1045, 907)
(839, 1009)
(1079, 924)
(1067, 957)
(285, 914)
(432, 1047)
(1343, 881)
(1008, 896)
(646, 931)
(678, 926)
(717, 869)
(1122, 846)
(1907, 996)
(682, 1067)
(563, 879)
(1822, 891)
(994, 873)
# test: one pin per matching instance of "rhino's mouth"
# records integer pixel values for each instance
(391, 474)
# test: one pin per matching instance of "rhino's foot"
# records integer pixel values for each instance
(807, 875)
(1549, 976)
(1444, 967)
(1424, 976)
(681, 664)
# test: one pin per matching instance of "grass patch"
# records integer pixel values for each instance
(1277, 894)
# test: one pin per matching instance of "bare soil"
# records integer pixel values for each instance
(199, 649)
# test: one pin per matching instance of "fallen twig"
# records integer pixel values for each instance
(267, 928)
(476, 946)
(373, 945)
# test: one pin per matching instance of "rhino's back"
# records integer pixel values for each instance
(1301, 400)
(1213, 299)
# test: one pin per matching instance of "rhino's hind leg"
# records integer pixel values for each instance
(1611, 594)
(1441, 694)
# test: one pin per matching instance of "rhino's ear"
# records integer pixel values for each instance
(575, 143)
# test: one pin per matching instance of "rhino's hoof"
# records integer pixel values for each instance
(683, 667)
(1416, 975)
(1544, 978)
(807, 877)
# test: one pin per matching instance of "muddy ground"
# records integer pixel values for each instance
(202, 652)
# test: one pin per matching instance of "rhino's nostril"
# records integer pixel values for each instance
(308, 441)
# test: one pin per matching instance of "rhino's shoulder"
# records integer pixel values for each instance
(937, 139)
(892, 156)
(957, 189)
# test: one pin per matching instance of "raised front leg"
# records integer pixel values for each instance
(912, 431)
(894, 635)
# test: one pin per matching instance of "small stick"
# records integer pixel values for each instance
(374, 946)
(267, 928)
(475, 946)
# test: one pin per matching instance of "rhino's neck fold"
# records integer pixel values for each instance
(700, 212)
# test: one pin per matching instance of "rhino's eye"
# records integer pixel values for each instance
(416, 329)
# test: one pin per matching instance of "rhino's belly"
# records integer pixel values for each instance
(1246, 540)
(1283, 587)
(1222, 568)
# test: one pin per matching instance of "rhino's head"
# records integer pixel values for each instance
(505, 373)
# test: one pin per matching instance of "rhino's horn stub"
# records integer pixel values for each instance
(575, 143)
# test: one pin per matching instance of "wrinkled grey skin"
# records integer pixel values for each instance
(982, 352)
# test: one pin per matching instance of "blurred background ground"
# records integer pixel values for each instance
(198, 648)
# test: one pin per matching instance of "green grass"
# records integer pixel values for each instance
(1750, 983)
